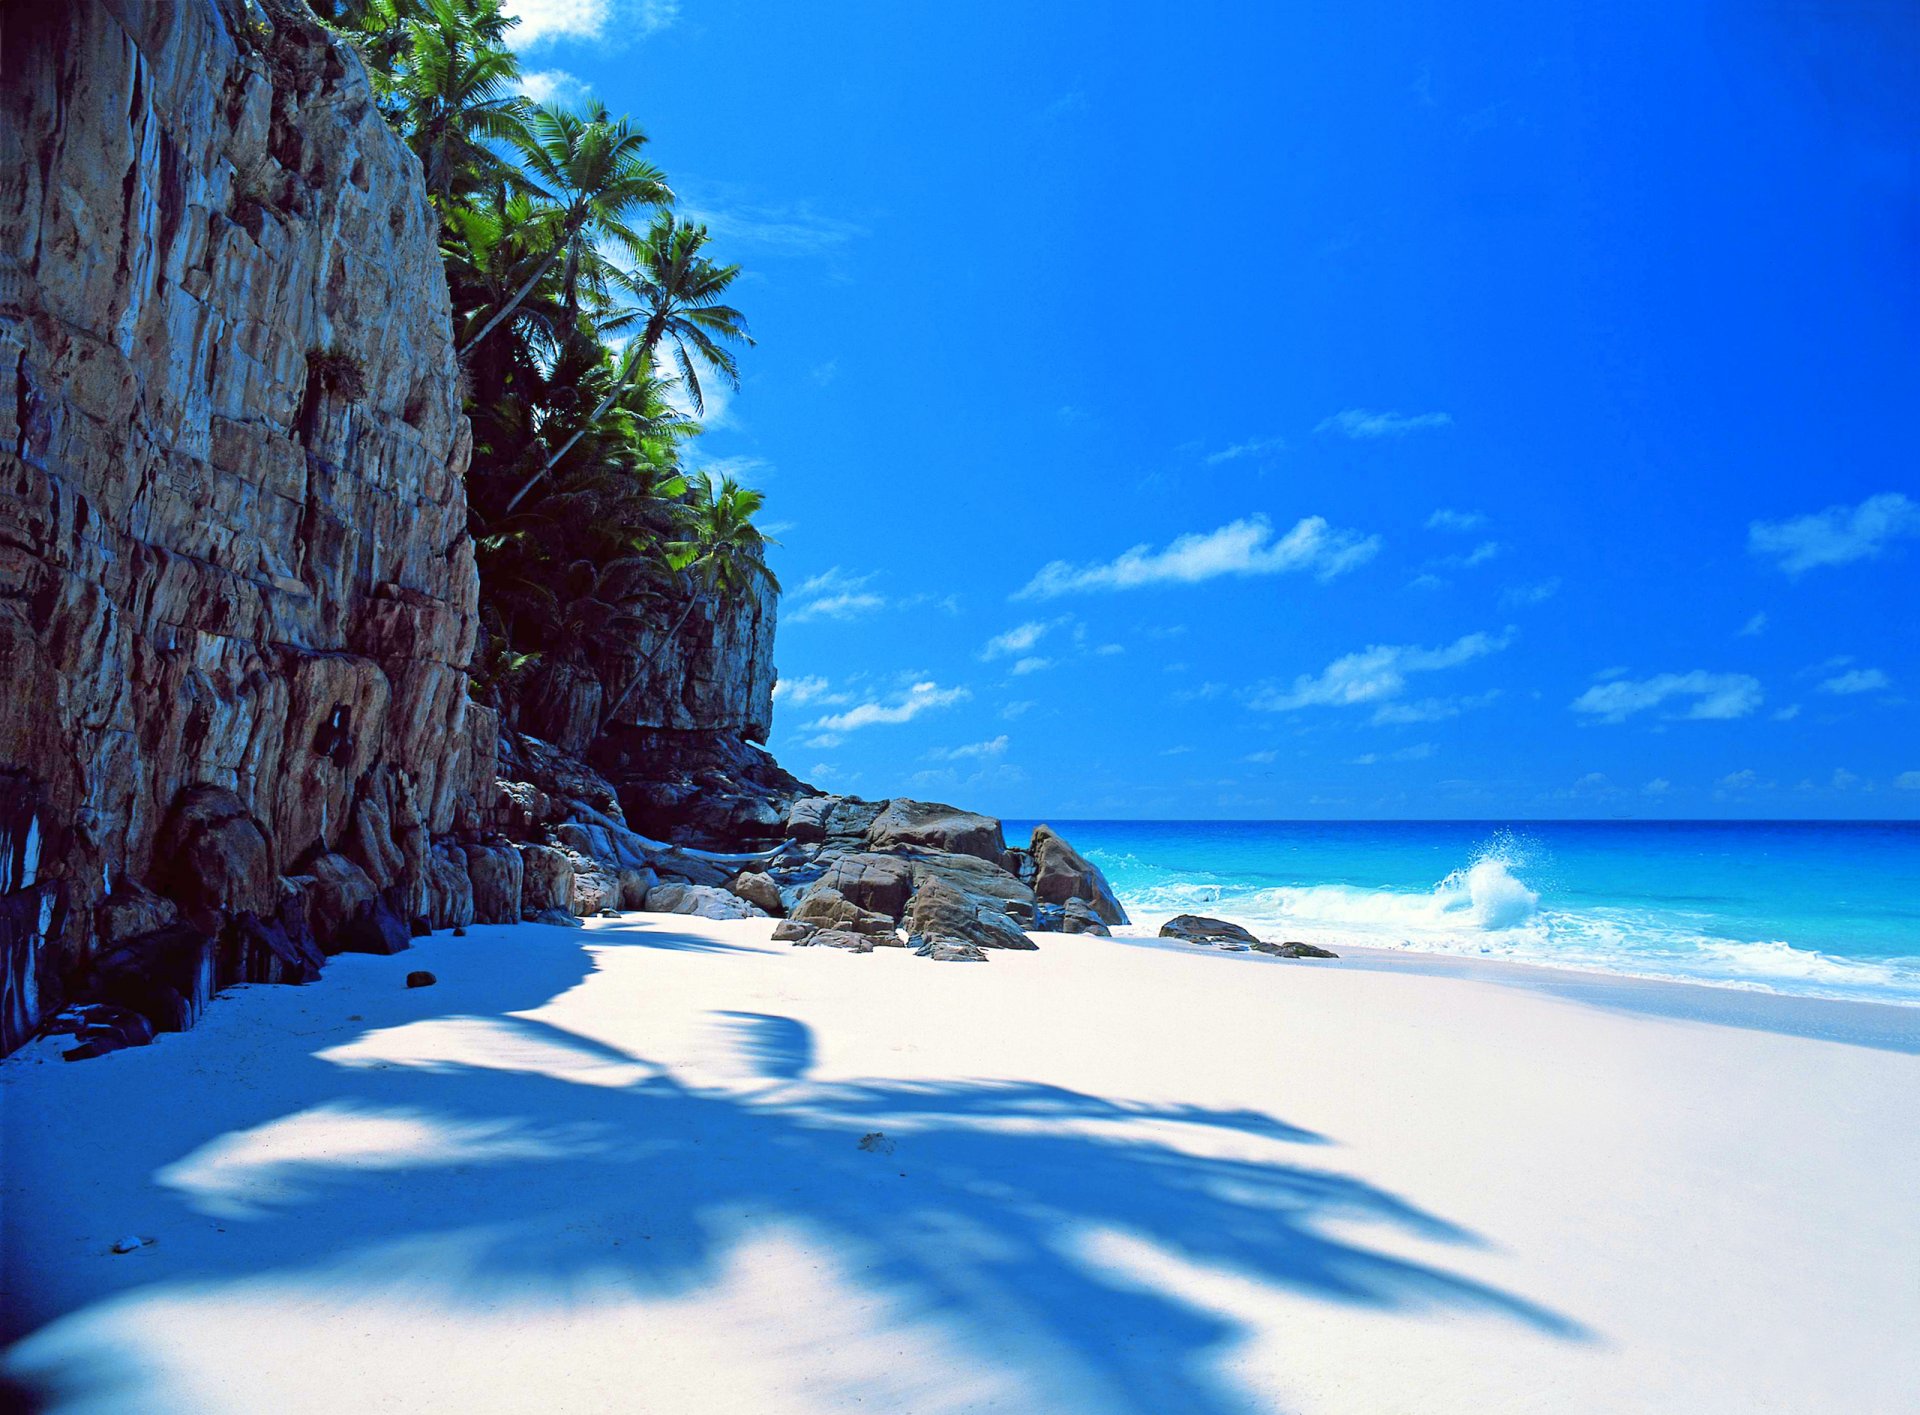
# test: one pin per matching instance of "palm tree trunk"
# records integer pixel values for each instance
(606, 718)
(513, 304)
(646, 343)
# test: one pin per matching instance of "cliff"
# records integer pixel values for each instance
(237, 597)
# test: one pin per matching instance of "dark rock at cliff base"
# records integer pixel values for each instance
(1198, 928)
(336, 891)
(280, 949)
(826, 907)
(940, 914)
(1061, 872)
(168, 976)
(378, 927)
(559, 918)
(792, 931)
(99, 1028)
(1295, 950)
(934, 826)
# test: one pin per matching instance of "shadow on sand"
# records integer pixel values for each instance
(971, 1217)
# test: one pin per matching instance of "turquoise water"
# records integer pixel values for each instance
(1795, 907)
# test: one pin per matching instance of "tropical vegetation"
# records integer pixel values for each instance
(587, 313)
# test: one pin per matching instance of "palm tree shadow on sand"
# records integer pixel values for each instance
(966, 1205)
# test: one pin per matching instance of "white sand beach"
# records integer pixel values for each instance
(663, 1164)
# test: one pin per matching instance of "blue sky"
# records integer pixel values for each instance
(1317, 411)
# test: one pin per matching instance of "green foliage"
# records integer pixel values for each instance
(587, 315)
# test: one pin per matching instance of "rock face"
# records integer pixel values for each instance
(237, 596)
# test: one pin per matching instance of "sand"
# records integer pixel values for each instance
(661, 1164)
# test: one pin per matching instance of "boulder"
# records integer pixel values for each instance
(593, 887)
(701, 900)
(826, 907)
(790, 931)
(851, 942)
(421, 978)
(1077, 917)
(814, 819)
(100, 1027)
(1295, 950)
(941, 914)
(280, 949)
(1198, 928)
(635, 884)
(212, 855)
(880, 884)
(494, 874)
(985, 883)
(131, 909)
(559, 918)
(546, 880)
(934, 826)
(1061, 872)
(758, 889)
(944, 950)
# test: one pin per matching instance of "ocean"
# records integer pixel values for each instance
(1815, 908)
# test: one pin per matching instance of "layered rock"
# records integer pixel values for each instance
(237, 597)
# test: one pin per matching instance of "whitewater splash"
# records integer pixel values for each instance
(1490, 907)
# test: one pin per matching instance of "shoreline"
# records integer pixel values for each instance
(662, 1161)
(1894, 1025)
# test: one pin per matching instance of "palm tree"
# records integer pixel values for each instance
(676, 291)
(721, 558)
(589, 165)
(456, 84)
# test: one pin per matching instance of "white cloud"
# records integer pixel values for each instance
(1017, 709)
(553, 86)
(1857, 680)
(1716, 696)
(921, 697)
(1262, 758)
(1479, 555)
(1837, 535)
(1252, 447)
(825, 739)
(834, 594)
(1031, 665)
(747, 470)
(1740, 780)
(1018, 639)
(1418, 752)
(972, 751)
(1244, 547)
(1364, 423)
(1755, 626)
(1842, 779)
(799, 691)
(1787, 713)
(1431, 709)
(1516, 595)
(790, 229)
(591, 21)
(1659, 786)
(1376, 673)
(1446, 519)
(1908, 781)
